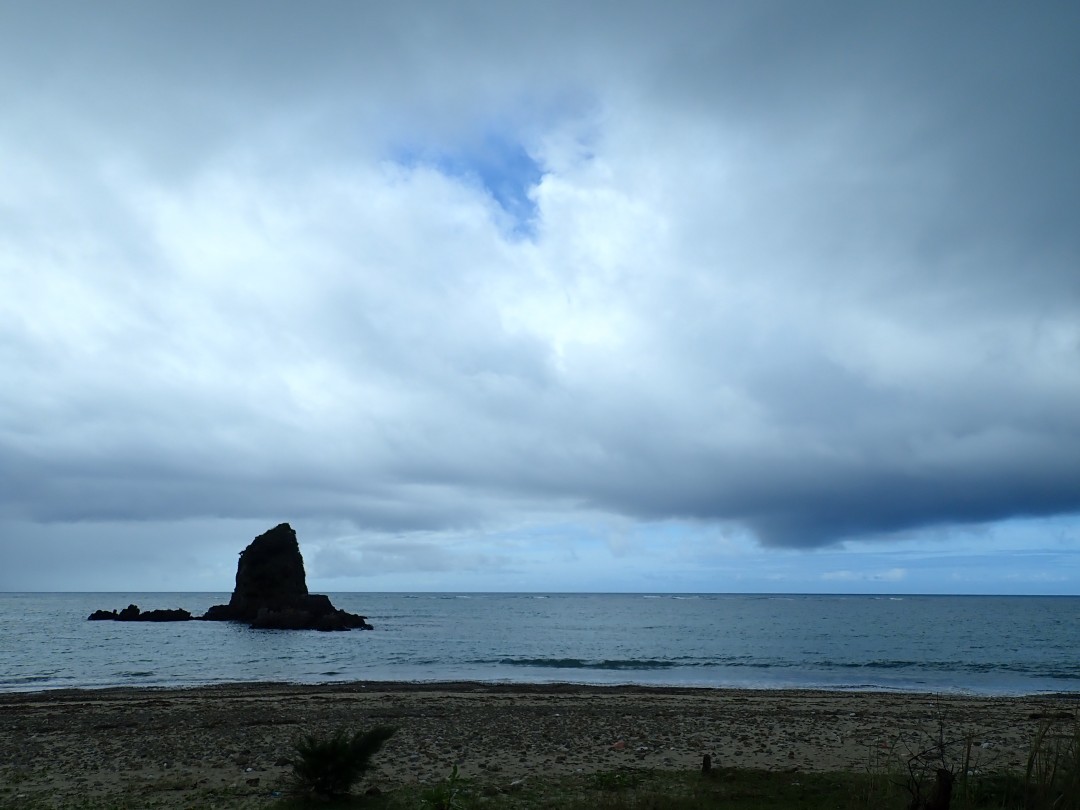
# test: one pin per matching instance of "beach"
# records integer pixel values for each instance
(169, 747)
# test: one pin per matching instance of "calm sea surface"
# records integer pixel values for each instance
(985, 645)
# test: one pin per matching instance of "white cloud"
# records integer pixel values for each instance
(761, 292)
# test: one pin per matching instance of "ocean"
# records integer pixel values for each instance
(984, 645)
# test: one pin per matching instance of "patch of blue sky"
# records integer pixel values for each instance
(496, 162)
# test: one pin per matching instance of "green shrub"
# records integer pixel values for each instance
(330, 767)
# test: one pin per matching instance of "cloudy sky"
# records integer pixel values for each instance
(717, 296)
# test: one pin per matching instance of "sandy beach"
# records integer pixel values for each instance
(169, 746)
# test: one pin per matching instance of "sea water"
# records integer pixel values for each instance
(968, 644)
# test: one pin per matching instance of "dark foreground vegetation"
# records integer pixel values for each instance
(656, 790)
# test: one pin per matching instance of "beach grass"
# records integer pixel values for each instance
(737, 789)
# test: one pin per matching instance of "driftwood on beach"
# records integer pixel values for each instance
(271, 593)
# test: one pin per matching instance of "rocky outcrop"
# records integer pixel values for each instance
(271, 593)
(177, 615)
(271, 590)
(132, 614)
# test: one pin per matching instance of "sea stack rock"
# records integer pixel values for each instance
(271, 590)
(270, 573)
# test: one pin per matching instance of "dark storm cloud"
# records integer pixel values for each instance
(809, 270)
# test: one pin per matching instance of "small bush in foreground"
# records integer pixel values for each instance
(1053, 769)
(446, 795)
(330, 767)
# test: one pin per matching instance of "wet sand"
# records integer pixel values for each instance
(169, 747)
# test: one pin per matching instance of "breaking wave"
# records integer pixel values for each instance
(577, 663)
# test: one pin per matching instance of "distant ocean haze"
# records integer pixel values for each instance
(972, 644)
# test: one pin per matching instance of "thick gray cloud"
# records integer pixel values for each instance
(813, 271)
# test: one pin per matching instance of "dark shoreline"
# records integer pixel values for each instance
(504, 687)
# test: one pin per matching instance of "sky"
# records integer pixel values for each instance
(484, 296)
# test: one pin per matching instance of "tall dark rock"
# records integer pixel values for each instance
(270, 573)
(271, 590)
